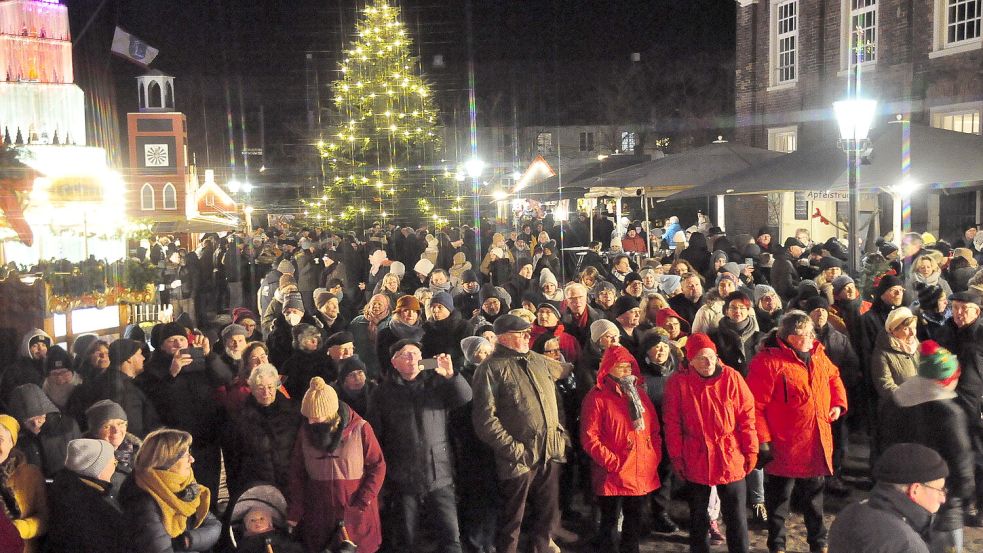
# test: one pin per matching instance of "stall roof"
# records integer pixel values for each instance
(939, 159)
(686, 169)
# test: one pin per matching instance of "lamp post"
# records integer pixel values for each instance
(854, 117)
(474, 167)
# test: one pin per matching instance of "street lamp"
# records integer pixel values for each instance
(234, 186)
(474, 167)
(247, 187)
(854, 118)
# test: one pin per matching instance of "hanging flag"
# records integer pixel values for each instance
(132, 48)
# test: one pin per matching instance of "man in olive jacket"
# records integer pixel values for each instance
(516, 413)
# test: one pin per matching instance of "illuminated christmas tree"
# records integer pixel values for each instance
(380, 151)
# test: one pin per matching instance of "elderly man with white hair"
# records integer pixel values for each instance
(262, 434)
(578, 315)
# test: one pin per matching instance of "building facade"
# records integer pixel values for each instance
(920, 59)
(160, 172)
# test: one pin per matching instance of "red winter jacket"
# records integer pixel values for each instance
(624, 461)
(792, 405)
(709, 426)
(569, 345)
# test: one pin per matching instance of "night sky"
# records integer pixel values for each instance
(550, 50)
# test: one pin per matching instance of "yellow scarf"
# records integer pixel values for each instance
(162, 485)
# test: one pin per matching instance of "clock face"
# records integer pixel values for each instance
(155, 155)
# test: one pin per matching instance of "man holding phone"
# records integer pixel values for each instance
(180, 380)
(410, 415)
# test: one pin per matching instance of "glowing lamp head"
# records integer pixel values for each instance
(474, 167)
(855, 118)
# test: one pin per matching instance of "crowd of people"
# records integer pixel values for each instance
(390, 393)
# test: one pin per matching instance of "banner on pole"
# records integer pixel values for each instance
(132, 48)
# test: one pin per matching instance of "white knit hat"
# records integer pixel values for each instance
(601, 327)
(423, 266)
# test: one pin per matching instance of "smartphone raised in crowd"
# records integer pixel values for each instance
(428, 364)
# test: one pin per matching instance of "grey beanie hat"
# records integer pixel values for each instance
(470, 346)
(761, 290)
(840, 282)
(233, 330)
(294, 300)
(601, 327)
(28, 401)
(102, 411)
(88, 457)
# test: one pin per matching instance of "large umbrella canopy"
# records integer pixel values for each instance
(576, 181)
(690, 168)
(939, 159)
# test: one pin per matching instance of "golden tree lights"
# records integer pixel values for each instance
(381, 148)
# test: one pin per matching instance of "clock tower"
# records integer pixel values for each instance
(160, 175)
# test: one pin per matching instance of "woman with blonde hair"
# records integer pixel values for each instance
(927, 271)
(165, 508)
(24, 500)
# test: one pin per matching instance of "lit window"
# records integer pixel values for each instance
(147, 197)
(786, 38)
(544, 143)
(586, 142)
(783, 139)
(962, 20)
(170, 196)
(861, 31)
(964, 118)
(628, 142)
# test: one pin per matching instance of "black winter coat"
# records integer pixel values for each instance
(571, 325)
(411, 421)
(47, 450)
(733, 350)
(941, 425)
(186, 402)
(467, 303)
(358, 402)
(141, 415)
(967, 344)
(784, 276)
(841, 353)
(302, 366)
(872, 324)
(262, 444)
(445, 337)
(144, 530)
(82, 518)
(280, 342)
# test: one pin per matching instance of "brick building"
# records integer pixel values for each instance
(924, 61)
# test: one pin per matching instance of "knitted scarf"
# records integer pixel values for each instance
(374, 322)
(635, 407)
(404, 331)
(178, 497)
(744, 329)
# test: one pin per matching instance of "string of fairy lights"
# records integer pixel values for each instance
(381, 150)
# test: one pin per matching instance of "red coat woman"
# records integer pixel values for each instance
(632, 242)
(792, 405)
(709, 424)
(336, 474)
(619, 430)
